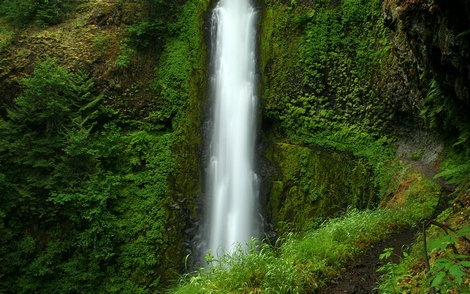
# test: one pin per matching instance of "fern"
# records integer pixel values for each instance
(455, 173)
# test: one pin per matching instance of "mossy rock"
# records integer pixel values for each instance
(313, 183)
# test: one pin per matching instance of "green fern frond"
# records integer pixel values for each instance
(455, 173)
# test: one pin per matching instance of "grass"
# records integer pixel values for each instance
(303, 264)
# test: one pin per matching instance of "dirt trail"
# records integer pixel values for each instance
(361, 276)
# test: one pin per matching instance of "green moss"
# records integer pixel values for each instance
(322, 66)
(315, 183)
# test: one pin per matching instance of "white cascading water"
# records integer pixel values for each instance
(232, 184)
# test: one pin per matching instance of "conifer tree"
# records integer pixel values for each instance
(45, 147)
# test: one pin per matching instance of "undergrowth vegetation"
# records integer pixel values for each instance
(439, 260)
(65, 195)
(304, 263)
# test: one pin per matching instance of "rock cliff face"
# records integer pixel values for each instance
(432, 44)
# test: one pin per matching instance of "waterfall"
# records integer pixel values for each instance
(232, 187)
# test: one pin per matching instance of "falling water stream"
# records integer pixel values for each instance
(232, 187)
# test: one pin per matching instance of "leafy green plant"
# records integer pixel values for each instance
(51, 12)
(455, 169)
(392, 272)
(443, 111)
(386, 253)
(53, 173)
(20, 12)
(148, 32)
(447, 272)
